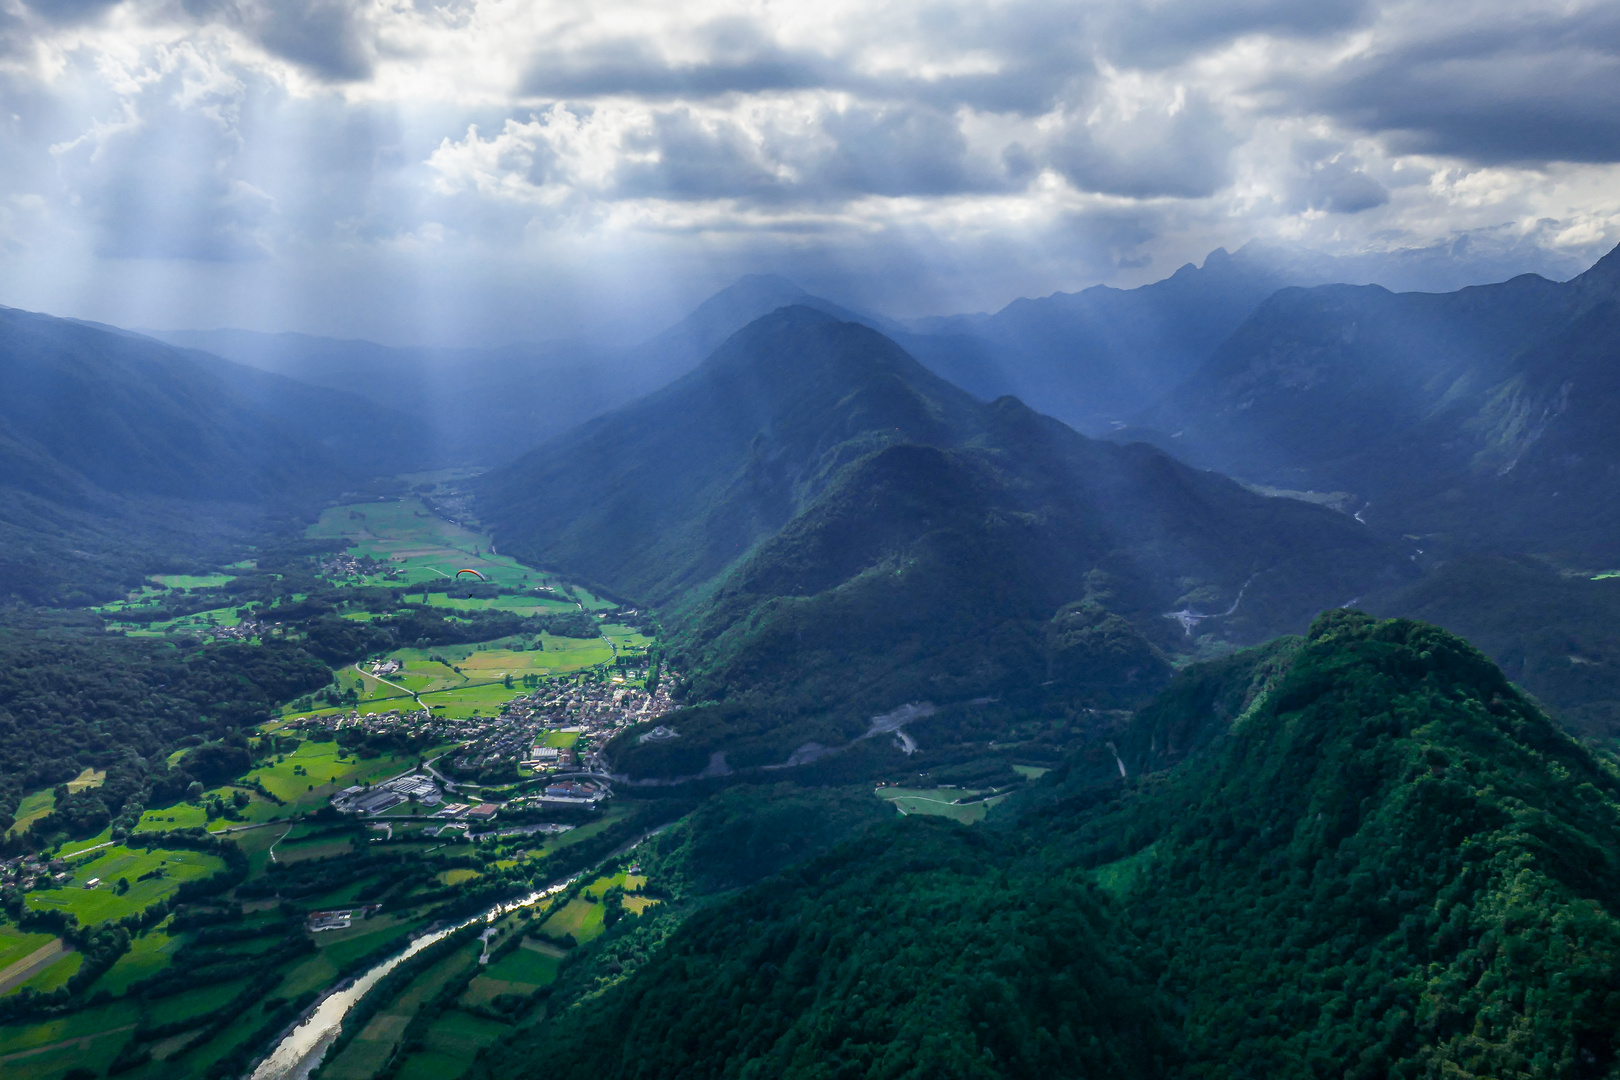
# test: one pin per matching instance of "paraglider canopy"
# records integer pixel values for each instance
(474, 573)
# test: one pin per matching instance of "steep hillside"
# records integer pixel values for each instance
(1366, 856)
(1555, 634)
(488, 406)
(1480, 415)
(118, 449)
(830, 525)
(1095, 358)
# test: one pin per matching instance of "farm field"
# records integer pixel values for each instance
(940, 802)
(624, 880)
(580, 919)
(87, 1039)
(33, 806)
(36, 804)
(305, 777)
(421, 545)
(16, 944)
(148, 954)
(454, 1040)
(111, 864)
(193, 581)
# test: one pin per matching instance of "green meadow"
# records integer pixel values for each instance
(940, 802)
(104, 902)
(580, 918)
(418, 543)
(18, 944)
(193, 581)
(305, 777)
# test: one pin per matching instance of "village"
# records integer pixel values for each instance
(543, 750)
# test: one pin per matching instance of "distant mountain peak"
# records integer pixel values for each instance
(1603, 276)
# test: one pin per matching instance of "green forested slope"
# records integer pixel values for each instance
(831, 529)
(1361, 855)
(121, 456)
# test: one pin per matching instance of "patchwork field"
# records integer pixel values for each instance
(419, 544)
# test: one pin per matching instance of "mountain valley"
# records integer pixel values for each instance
(760, 701)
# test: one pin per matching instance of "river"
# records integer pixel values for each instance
(302, 1048)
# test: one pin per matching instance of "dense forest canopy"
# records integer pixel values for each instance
(1367, 855)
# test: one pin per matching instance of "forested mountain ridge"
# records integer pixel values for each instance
(1478, 415)
(1097, 357)
(489, 405)
(111, 442)
(830, 525)
(1367, 856)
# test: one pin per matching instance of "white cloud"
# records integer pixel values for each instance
(934, 153)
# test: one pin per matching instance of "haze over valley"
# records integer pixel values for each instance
(937, 541)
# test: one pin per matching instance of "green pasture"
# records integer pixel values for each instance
(1030, 772)
(189, 1003)
(54, 976)
(15, 944)
(522, 971)
(628, 640)
(33, 806)
(579, 917)
(341, 946)
(148, 954)
(940, 802)
(325, 768)
(45, 1049)
(462, 1035)
(623, 879)
(363, 1057)
(193, 581)
(102, 903)
(418, 543)
(526, 605)
(36, 804)
(77, 847)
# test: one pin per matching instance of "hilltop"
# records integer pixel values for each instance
(828, 523)
(1361, 853)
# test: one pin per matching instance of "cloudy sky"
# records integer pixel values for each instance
(494, 170)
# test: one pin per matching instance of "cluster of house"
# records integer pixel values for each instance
(362, 799)
(347, 566)
(246, 630)
(28, 871)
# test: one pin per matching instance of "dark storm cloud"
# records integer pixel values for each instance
(1153, 153)
(1170, 32)
(1524, 90)
(325, 37)
(1332, 180)
(1043, 48)
(738, 58)
(69, 11)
